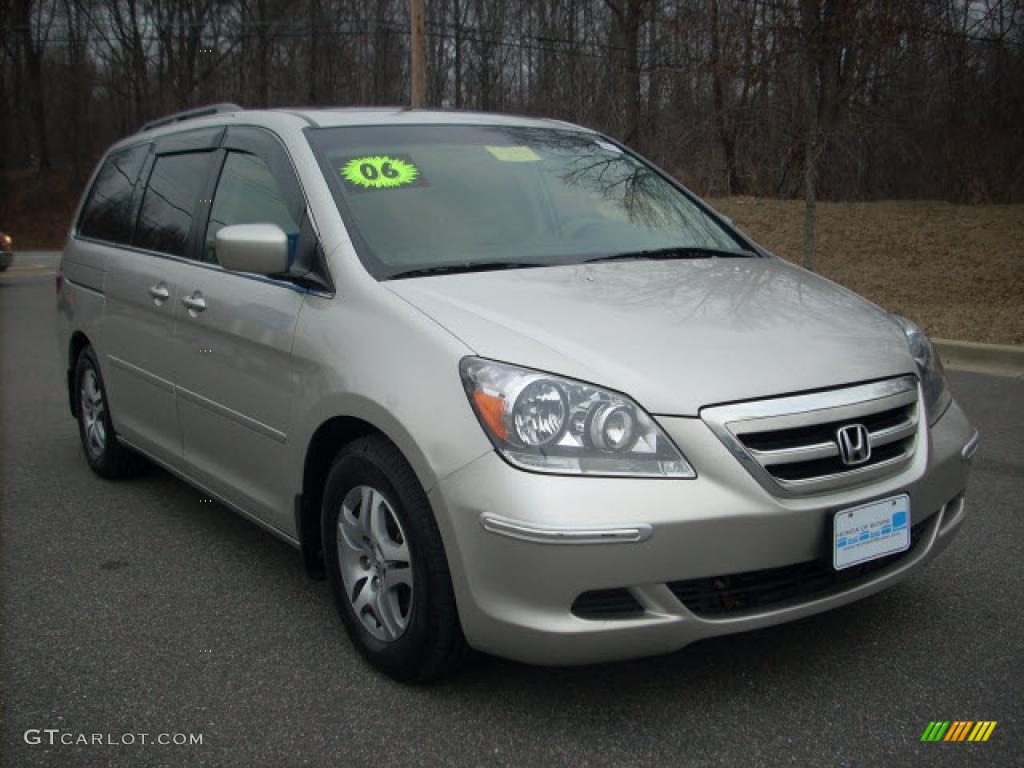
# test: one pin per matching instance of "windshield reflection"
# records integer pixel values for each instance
(492, 194)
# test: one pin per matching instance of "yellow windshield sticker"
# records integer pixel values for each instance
(514, 154)
(379, 172)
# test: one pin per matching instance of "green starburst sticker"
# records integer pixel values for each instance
(379, 172)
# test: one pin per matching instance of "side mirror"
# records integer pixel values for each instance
(258, 248)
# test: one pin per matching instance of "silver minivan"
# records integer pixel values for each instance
(501, 381)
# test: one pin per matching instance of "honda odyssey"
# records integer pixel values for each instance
(506, 384)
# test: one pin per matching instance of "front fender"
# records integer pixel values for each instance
(375, 358)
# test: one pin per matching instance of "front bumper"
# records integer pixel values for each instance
(522, 547)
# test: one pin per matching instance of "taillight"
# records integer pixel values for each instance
(59, 280)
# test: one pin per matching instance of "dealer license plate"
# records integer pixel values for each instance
(870, 531)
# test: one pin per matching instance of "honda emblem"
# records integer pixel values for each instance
(854, 443)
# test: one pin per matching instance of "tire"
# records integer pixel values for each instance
(105, 455)
(401, 617)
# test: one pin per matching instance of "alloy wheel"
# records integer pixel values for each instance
(376, 566)
(93, 407)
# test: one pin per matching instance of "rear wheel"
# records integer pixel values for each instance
(387, 565)
(105, 455)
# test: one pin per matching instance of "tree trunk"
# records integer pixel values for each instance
(458, 54)
(631, 31)
(314, 38)
(811, 23)
(725, 133)
(263, 82)
(34, 76)
(628, 18)
(810, 202)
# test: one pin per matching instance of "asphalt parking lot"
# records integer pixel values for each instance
(135, 607)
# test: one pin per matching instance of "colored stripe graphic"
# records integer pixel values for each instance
(935, 730)
(984, 730)
(958, 730)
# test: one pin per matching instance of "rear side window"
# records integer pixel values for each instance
(108, 212)
(171, 202)
(247, 193)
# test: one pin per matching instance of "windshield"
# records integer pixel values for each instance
(423, 198)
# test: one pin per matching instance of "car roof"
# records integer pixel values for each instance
(292, 118)
(330, 118)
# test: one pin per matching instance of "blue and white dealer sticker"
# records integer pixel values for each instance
(871, 531)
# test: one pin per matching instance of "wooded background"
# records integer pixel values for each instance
(849, 99)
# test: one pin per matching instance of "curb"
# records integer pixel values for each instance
(997, 359)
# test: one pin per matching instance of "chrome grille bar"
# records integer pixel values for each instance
(901, 431)
(793, 455)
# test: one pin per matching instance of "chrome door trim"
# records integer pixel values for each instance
(152, 378)
(239, 418)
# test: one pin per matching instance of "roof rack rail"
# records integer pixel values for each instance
(189, 114)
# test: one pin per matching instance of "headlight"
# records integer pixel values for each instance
(929, 369)
(546, 423)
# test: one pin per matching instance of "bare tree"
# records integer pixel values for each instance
(629, 16)
(818, 99)
(33, 22)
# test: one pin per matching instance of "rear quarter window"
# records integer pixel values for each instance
(108, 211)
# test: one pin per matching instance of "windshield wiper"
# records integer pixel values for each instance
(673, 253)
(467, 266)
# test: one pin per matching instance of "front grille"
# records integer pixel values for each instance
(796, 471)
(749, 592)
(791, 444)
(607, 604)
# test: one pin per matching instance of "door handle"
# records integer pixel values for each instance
(195, 303)
(159, 293)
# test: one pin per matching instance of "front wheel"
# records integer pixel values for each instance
(106, 456)
(387, 565)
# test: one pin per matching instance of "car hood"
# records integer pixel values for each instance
(674, 335)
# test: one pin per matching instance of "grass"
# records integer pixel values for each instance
(956, 270)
